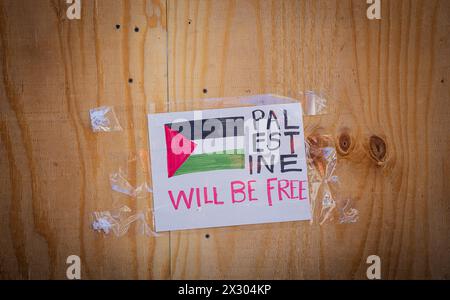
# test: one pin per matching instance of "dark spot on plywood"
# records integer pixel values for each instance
(377, 148)
(345, 144)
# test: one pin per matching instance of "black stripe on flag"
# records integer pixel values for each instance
(210, 128)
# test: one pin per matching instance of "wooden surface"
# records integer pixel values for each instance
(386, 79)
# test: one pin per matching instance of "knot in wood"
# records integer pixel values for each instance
(344, 144)
(377, 148)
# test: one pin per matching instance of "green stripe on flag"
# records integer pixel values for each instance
(212, 162)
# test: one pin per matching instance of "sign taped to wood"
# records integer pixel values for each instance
(232, 166)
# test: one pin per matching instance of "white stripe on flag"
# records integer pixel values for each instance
(218, 144)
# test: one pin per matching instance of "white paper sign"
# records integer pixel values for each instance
(227, 167)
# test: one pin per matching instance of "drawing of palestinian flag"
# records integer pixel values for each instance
(205, 145)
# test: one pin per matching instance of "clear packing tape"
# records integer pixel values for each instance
(119, 221)
(104, 119)
(133, 179)
(121, 218)
(136, 164)
(314, 103)
(327, 203)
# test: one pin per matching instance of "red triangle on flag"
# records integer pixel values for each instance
(179, 148)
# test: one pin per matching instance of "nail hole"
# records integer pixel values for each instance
(130, 80)
(189, 21)
(205, 91)
(136, 29)
(117, 26)
(442, 80)
(377, 148)
(207, 235)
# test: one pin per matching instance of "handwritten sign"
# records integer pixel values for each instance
(227, 167)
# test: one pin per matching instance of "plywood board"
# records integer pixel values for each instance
(387, 82)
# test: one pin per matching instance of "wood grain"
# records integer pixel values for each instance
(386, 78)
(55, 169)
(387, 81)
